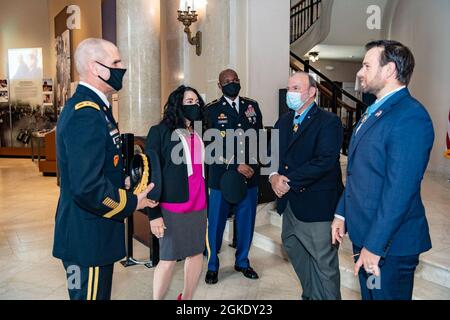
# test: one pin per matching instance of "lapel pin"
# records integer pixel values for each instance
(379, 113)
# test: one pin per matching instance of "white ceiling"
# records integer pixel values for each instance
(349, 32)
(343, 53)
(349, 22)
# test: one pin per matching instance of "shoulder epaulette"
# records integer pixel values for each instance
(211, 103)
(245, 98)
(87, 104)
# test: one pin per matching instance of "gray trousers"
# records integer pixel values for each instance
(313, 257)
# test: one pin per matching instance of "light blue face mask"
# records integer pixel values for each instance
(294, 100)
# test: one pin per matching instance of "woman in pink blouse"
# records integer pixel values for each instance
(180, 221)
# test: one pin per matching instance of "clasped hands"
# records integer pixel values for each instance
(280, 185)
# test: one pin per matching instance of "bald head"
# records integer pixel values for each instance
(89, 54)
(227, 76)
(91, 50)
(303, 80)
(303, 83)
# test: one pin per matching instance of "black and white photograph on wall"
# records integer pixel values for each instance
(47, 85)
(48, 99)
(47, 92)
(22, 123)
(5, 123)
(27, 119)
(5, 126)
(25, 75)
(63, 64)
(4, 95)
(25, 64)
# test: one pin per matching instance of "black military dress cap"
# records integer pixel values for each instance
(233, 186)
(146, 169)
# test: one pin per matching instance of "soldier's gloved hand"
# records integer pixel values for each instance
(246, 170)
(143, 202)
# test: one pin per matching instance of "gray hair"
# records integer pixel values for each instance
(91, 49)
(312, 81)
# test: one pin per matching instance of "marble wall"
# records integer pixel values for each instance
(138, 38)
(202, 71)
(249, 36)
(179, 62)
(172, 52)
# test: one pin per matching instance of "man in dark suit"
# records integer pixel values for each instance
(89, 229)
(308, 184)
(381, 206)
(237, 115)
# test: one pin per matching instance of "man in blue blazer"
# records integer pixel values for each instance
(381, 206)
(308, 185)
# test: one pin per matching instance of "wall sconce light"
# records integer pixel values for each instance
(313, 56)
(187, 17)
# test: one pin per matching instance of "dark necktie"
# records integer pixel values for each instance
(234, 107)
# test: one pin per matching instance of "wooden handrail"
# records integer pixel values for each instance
(325, 91)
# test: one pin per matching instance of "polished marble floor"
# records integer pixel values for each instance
(28, 270)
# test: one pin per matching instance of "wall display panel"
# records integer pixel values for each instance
(25, 108)
(63, 68)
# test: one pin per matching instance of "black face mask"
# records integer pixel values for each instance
(232, 89)
(116, 77)
(192, 112)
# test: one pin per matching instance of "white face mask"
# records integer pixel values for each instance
(294, 100)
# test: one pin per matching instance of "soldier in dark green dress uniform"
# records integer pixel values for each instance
(89, 229)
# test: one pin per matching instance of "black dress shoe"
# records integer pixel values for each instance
(212, 277)
(247, 272)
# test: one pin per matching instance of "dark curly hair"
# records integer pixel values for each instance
(173, 113)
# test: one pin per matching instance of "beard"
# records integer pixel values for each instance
(373, 86)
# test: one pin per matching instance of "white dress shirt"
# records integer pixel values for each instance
(98, 92)
(235, 101)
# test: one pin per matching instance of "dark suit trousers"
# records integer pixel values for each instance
(396, 281)
(89, 283)
(314, 258)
